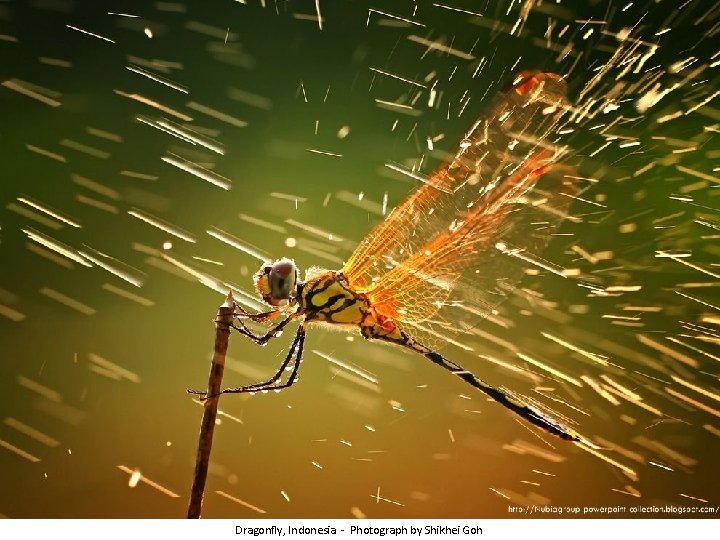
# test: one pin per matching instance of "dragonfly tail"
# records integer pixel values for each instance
(529, 413)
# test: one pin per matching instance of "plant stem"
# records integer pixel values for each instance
(223, 322)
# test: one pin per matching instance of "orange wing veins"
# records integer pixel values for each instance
(414, 290)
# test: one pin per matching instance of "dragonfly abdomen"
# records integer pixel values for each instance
(529, 413)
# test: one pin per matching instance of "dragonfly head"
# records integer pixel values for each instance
(276, 282)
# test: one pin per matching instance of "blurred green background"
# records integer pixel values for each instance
(93, 392)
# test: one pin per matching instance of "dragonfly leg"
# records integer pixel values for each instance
(273, 332)
(242, 313)
(507, 400)
(294, 357)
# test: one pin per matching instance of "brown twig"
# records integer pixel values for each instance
(223, 321)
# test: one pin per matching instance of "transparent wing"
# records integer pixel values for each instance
(416, 289)
(497, 199)
(520, 121)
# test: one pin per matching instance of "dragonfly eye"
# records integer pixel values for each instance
(276, 282)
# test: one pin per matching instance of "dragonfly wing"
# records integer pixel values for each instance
(505, 222)
(520, 123)
(497, 199)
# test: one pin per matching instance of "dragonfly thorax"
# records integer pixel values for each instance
(328, 297)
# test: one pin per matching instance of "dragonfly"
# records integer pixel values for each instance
(445, 249)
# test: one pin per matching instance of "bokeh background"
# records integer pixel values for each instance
(104, 322)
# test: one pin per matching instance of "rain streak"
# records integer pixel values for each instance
(156, 154)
